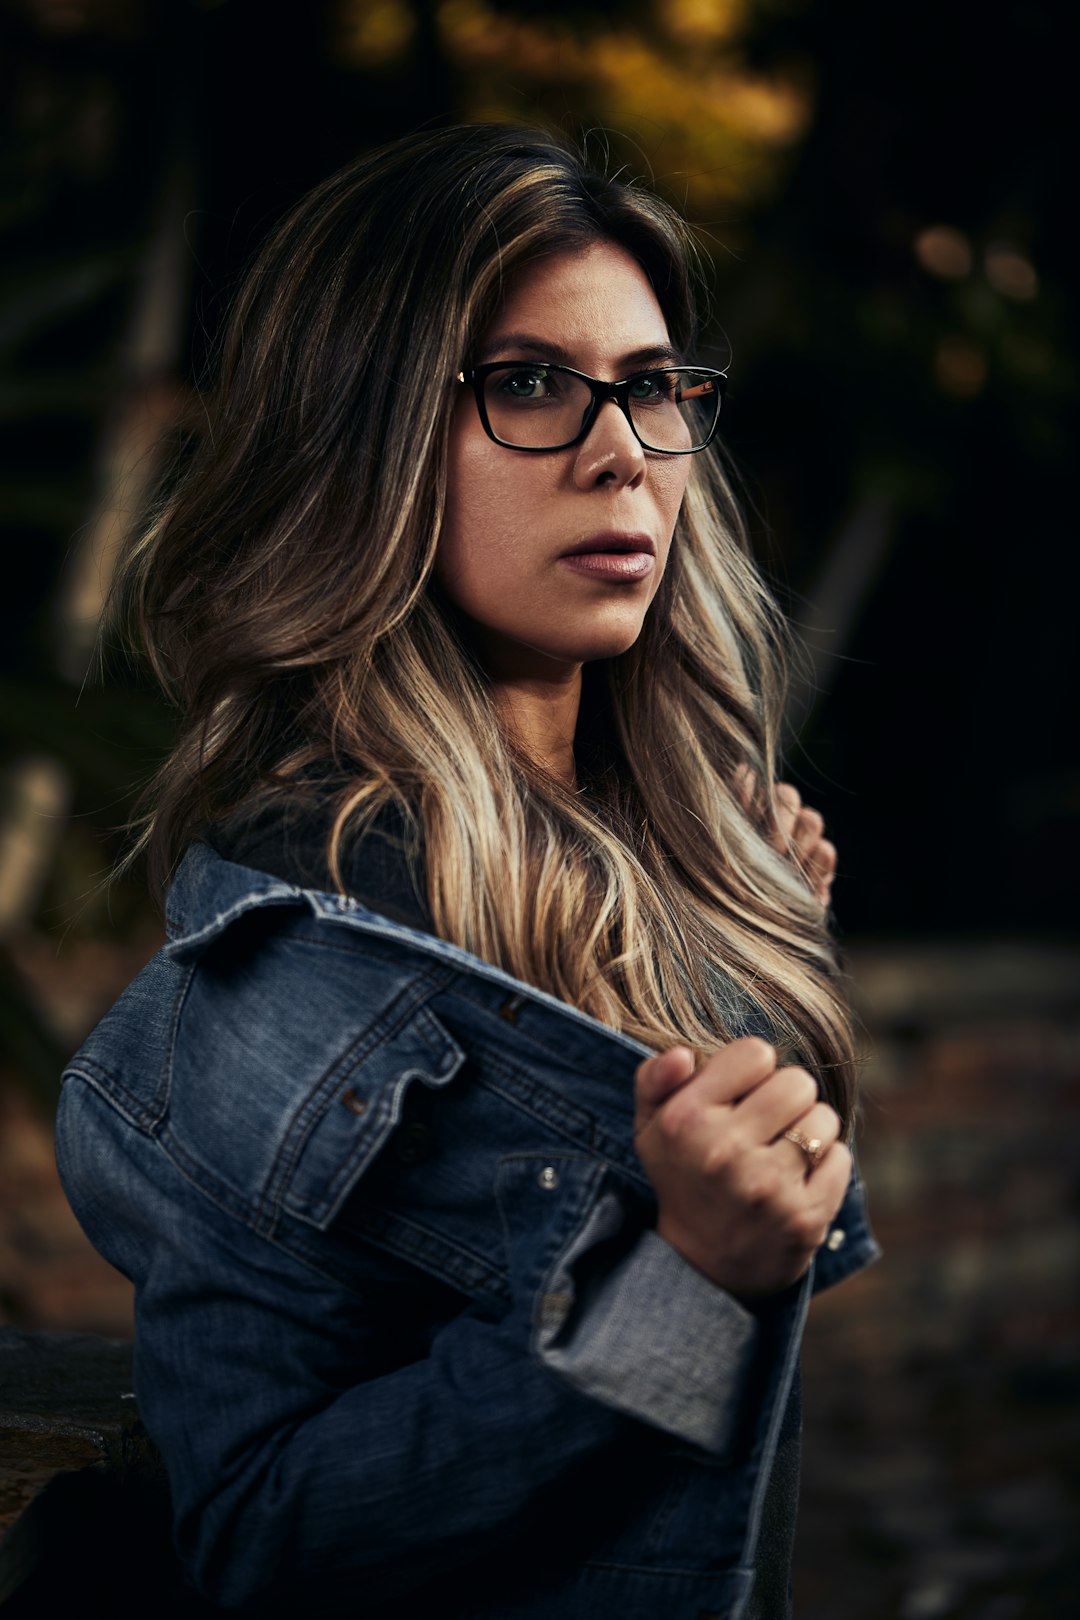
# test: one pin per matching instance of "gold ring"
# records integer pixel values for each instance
(813, 1147)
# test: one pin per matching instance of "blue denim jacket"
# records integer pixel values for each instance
(406, 1337)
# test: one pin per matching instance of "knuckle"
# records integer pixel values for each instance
(803, 1229)
(759, 1188)
(676, 1119)
(758, 1050)
(803, 1087)
(830, 1120)
(668, 1125)
(718, 1159)
(809, 1088)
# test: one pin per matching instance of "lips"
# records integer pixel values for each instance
(610, 541)
(613, 558)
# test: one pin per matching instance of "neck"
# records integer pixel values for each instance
(542, 713)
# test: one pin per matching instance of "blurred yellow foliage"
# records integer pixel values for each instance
(713, 130)
(472, 31)
(373, 33)
(701, 22)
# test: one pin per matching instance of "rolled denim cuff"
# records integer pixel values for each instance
(652, 1337)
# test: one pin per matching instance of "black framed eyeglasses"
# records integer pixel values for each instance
(531, 405)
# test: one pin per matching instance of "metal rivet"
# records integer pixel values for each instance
(836, 1239)
(355, 1104)
(548, 1177)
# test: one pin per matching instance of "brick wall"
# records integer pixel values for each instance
(943, 1386)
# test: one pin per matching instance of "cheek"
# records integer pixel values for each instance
(668, 492)
(671, 485)
(479, 521)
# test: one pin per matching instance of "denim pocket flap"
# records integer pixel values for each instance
(544, 1200)
(339, 1134)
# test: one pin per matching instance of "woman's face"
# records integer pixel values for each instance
(512, 517)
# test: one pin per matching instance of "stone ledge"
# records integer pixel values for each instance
(84, 1507)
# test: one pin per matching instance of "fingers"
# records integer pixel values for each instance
(734, 1072)
(828, 1184)
(663, 1074)
(808, 830)
(780, 1101)
(812, 1202)
(821, 869)
(801, 826)
(818, 1130)
(743, 782)
(741, 1203)
(763, 1100)
(730, 1073)
(657, 1079)
(787, 802)
(814, 852)
(724, 1078)
(801, 832)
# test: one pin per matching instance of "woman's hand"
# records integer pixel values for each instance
(737, 1199)
(802, 834)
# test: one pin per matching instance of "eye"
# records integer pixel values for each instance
(653, 387)
(528, 382)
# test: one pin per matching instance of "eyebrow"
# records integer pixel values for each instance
(527, 343)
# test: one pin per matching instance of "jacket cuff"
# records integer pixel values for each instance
(651, 1336)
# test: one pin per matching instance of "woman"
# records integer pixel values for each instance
(471, 1210)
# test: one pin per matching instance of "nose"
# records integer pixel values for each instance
(609, 455)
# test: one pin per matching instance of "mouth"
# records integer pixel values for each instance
(610, 543)
(612, 558)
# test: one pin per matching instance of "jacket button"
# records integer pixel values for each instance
(836, 1239)
(413, 1143)
(548, 1177)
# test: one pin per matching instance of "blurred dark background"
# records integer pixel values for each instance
(884, 192)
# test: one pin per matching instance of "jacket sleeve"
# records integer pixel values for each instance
(301, 1460)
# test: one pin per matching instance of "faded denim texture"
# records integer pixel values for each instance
(405, 1335)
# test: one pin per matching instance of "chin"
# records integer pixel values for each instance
(511, 649)
(589, 649)
(606, 639)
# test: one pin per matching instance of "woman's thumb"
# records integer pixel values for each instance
(658, 1077)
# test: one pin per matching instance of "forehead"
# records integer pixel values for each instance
(595, 304)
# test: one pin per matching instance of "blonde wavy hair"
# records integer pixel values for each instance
(284, 594)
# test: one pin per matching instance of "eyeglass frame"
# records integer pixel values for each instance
(601, 392)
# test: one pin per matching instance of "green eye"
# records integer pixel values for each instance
(525, 384)
(653, 387)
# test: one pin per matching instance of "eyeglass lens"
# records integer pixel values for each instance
(532, 407)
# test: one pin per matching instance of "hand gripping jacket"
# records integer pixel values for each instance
(405, 1335)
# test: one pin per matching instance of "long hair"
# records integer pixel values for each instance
(284, 594)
